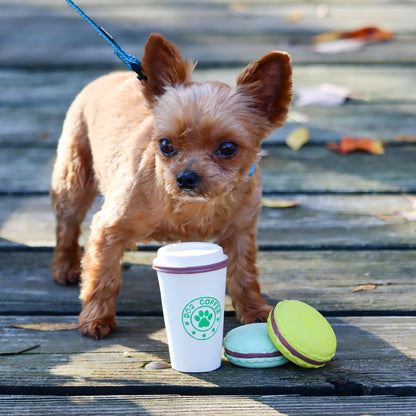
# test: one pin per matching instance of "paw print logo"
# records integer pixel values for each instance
(202, 317)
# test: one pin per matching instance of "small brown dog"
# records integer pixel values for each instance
(172, 158)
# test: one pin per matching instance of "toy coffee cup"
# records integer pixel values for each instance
(192, 280)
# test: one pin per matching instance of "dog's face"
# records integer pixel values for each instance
(207, 136)
(203, 140)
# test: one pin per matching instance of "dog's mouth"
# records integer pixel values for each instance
(190, 195)
(192, 186)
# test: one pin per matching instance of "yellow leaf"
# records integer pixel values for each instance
(63, 326)
(295, 16)
(349, 144)
(364, 287)
(279, 203)
(298, 138)
(237, 6)
(327, 37)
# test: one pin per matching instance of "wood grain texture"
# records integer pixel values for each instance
(320, 221)
(311, 169)
(247, 405)
(318, 252)
(35, 103)
(66, 359)
(213, 33)
(386, 361)
(324, 279)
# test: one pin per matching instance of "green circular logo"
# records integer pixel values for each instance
(201, 317)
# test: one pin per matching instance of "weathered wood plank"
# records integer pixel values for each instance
(389, 83)
(212, 32)
(320, 221)
(41, 126)
(312, 169)
(384, 362)
(318, 169)
(171, 405)
(324, 279)
(34, 103)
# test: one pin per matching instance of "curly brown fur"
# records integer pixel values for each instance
(198, 188)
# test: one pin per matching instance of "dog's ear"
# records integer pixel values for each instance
(163, 66)
(269, 82)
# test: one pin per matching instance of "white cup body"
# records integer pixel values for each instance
(192, 279)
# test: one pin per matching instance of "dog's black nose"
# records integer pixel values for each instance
(187, 179)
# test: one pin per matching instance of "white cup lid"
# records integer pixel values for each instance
(192, 257)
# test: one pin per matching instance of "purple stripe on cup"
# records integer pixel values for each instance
(289, 347)
(192, 269)
(252, 354)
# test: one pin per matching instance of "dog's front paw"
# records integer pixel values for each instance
(259, 314)
(65, 273)
(98, 328)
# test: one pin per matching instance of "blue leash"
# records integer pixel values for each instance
(131, 61)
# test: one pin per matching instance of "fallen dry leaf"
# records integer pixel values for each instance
(405, 138)
(238, 6)
(338, 42)
(386, 218)
(350, 144)
(322, 11)
(298, 138)
(46, 326)
(368, 34)
(338, 46)
(325, 94)
(408, 215)
(364, 287)
(295, 16)
(411, 199)
(279, 203)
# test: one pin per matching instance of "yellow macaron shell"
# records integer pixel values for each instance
(301, 334)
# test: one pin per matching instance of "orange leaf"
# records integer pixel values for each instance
(364, 287)
(368, 34)
(405, 138)
(387, 218)
(333, 146)
(349, 144)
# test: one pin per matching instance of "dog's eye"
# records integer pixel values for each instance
(227, 149)
(166, 147)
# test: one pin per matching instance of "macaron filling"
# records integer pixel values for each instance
(252, 354)
(289, 347)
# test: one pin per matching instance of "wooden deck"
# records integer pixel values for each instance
(347, 231)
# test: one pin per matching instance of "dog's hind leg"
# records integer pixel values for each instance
(73, 190)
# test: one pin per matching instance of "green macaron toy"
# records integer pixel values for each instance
(301, 334)
(250, 346)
